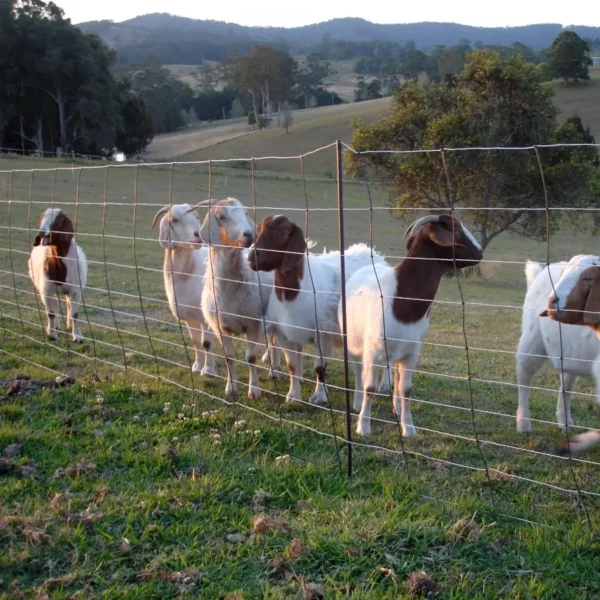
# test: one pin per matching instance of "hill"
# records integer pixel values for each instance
(312, 128)
(197, 40)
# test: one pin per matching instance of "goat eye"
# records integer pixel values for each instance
(175, 220)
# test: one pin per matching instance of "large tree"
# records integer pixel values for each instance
(267, 75)
(56, 87)
(569, 57)
(494, 102)
(312, 77)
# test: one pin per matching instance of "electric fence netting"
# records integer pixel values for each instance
(464, 386)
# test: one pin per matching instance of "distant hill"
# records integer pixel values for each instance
(179, 40)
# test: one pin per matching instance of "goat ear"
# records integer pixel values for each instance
(161, 212)
(164, 236)
(62, 232)
(38, 240)
(544, 313)
(441, 236)
(591, 315)
(297, 246)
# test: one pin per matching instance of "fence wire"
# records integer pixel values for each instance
(464, 387)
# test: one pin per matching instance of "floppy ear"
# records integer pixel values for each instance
(591, 316)
(38, 240)
(296, 244)
(62, 233)
(160, 213)
(164, 236)
(441, 236)
(544, 313)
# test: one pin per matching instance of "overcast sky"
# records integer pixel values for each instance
(291, 14)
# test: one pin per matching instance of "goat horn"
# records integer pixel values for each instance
(420, 222)
(209, 202)
(161, 212)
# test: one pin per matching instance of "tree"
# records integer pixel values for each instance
(56, 87)
(288, 118)
(136, 130)
(164, 95)
(367, 91)
(414, 62)
(312, 76)
(493, 102)
(568, 57)
(267, 75)
(237, 109)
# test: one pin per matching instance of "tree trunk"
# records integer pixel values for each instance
(279, 114)
(62, 119)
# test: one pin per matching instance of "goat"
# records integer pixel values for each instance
(392, 327)
(58, 267)
(541, 341)
(575, 300)
(301, 281)
(233, 302)
(184, 269)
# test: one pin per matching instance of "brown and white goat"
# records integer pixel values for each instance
(303, 309)
(575, 300)
(58, 267)
(393, 328)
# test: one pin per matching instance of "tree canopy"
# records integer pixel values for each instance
(56, 88)
(569, 57)
(493, 102)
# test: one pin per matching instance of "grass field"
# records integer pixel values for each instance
(168, 507)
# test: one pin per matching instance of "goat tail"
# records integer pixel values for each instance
(532, 270)
(580, 443)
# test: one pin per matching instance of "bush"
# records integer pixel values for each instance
(251, 118)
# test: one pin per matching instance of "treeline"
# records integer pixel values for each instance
(257, 84)
(390, 64)
(57, 93)
(177, 40)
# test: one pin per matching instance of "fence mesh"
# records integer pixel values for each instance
(464, 391)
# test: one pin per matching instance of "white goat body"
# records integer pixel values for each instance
(233, 302)
(184, 269)
(541, 341)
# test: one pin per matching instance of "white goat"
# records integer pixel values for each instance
(184, 269)
(575, 300)
(302, 281)
(58, 267)
(393, 328)
(233, 302)
(541, 341)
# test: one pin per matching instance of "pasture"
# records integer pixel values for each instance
(169, 508)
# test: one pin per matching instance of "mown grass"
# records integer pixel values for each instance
(387, 517)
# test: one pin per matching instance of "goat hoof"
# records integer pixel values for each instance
(363, 429)
(272, 376)
(523, 426)
(318, 401)
(409, 431)
(266, 359)
(208, 372)
(254, 394)
(289, 399)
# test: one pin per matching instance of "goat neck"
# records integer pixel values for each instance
(418, 277)
(287, 283)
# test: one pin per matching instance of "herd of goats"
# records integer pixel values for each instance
(226, 278)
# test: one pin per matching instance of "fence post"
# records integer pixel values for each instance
(342, 244)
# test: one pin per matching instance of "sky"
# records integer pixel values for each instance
(277, 14)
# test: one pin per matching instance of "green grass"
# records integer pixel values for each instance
(581, 99)
(176, 519)
(312, 128)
